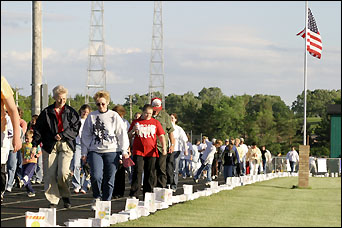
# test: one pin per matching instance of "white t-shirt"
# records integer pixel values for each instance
(195, 153)
(180, 138)
(292, 156)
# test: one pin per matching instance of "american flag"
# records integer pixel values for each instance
(314, 42)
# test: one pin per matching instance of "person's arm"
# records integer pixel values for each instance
(15, 119)
(173, 141)
(122, 136)
(163, 142)
(185, 142)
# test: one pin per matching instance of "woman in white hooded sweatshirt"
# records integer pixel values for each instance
(104, 136)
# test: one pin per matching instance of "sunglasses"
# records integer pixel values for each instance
(100, 104)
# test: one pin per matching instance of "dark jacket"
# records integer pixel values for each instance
(46, 128)
(230, 157)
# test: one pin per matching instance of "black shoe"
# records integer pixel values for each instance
(66, 201)
(53, 205)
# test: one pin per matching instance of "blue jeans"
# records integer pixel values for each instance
(292, 165)
(204, 167)
(12, 168)
(264, 166)
(175, 156)
(38, 173)
(75, 167)
(185, 171)
(103, 167)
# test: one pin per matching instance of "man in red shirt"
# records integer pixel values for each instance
(145, 130)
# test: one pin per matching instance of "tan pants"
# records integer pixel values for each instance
(56, 168)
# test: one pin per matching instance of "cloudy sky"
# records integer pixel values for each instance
(240, 47)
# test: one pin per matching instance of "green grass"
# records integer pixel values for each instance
(262, 204)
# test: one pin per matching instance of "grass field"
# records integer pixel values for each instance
(263, 204)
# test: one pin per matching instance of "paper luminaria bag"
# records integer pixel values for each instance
(103, 209)
(35, 219)
(131, 204)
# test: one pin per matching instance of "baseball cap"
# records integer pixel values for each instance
(156, 103)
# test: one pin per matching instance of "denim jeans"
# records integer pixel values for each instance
(185, 171)
(75, 167)
(38, 172)
(174, 169)
(292, 165)
(204, 167)
(264, 166)
(11, 168)
(103, 168)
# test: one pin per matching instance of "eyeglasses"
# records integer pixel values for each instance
(100, 104)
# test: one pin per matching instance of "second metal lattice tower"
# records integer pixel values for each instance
(157, 55)
(96, 52)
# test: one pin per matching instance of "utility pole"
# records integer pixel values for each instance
(96, 53)
(130, 109)
(157, 55)
(36, 57)
(17, 95)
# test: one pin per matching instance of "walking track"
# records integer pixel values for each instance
(16, 203)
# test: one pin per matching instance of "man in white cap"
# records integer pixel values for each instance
(164, 171)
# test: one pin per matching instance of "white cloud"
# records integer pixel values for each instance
(118, 51)
(114, 79)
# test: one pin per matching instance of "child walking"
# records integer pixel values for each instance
(29, 163)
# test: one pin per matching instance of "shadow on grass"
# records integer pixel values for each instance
(273, 186)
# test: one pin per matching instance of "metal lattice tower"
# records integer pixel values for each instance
(157, 55)
(96, 52)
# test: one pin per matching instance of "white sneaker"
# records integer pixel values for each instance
(33, 181)
(31, 194)
(21, 183)
(9, 189)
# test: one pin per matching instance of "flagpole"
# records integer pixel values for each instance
(305, 68)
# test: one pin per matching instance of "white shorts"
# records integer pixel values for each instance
(5, 147)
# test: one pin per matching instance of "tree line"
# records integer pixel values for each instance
(264, 119)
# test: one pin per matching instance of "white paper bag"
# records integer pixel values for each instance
(213, 184)
(187, 188)
(97, 222)
(229, 181)
(149, 201)
(133, 213)
(168, 196)
(35, 219)
(322, 165)
(160, 194)
(116, 217)
(131, 204)
(103, 210)
(50, 219)
(144, 211)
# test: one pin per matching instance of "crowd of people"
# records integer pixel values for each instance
(91, 149)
